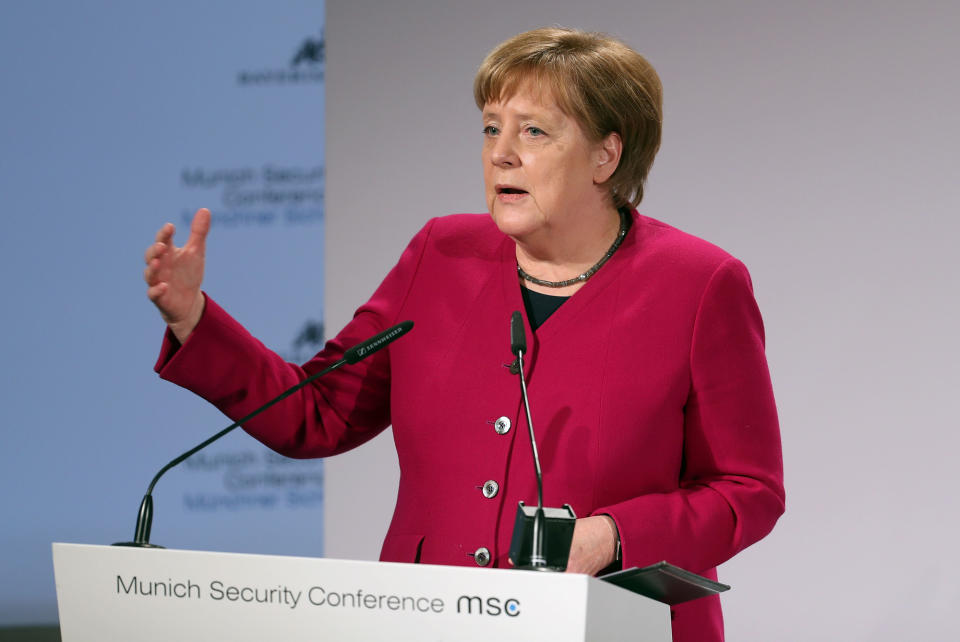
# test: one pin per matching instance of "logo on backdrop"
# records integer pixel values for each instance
(261, 196)
(306, 66)
(310, 52)
(307, 343)
(247, 479)
(260, 479)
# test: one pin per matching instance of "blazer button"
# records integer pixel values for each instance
(482, 556)
(502, 425)
(490, 489)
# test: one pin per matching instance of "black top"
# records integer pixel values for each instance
(540, 306)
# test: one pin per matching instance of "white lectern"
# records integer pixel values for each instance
(133, 594)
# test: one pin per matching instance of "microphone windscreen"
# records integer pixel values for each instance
(518, 337)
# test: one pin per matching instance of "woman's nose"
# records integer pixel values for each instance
(504, 153)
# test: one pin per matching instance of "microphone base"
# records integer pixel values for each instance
(137, 544)
(558, 526)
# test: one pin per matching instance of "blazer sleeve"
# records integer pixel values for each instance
(227, 366)
(730, 491)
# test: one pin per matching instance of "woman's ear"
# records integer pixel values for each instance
(608, 158)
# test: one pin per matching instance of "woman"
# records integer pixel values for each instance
(654, 412)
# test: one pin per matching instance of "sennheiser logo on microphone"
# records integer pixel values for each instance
(379, 342)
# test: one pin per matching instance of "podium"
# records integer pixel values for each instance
(133, 594)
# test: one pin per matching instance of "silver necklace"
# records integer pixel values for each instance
(580, 278)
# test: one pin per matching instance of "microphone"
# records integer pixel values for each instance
(141, 534)
(542, 536)
(518, 337)
(365, 348)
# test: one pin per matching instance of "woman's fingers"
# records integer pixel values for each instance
(199, 228)
(174, 274)
(156, 250)
(151, 273)
(155, 292)
(162, 242)
(165, 233)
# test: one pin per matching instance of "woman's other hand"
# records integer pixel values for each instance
(174, 275)
(594, 545)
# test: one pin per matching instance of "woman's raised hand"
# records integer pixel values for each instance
(174, 275)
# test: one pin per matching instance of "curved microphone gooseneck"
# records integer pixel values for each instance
(141, 535)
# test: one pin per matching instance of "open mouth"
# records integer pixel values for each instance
(506, 189)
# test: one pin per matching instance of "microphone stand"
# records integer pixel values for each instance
(141, 534)
(548, 551)
(537, 560)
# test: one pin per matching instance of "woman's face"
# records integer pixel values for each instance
(540, 170)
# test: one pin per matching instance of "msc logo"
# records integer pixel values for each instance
(491, 606)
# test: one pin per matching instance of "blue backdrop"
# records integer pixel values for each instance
(115, 118)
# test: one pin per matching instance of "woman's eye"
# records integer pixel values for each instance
(535, 131)
(490, 130)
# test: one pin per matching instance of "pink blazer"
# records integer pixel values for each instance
(649, 390)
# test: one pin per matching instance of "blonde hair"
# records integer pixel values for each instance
(596, 79)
